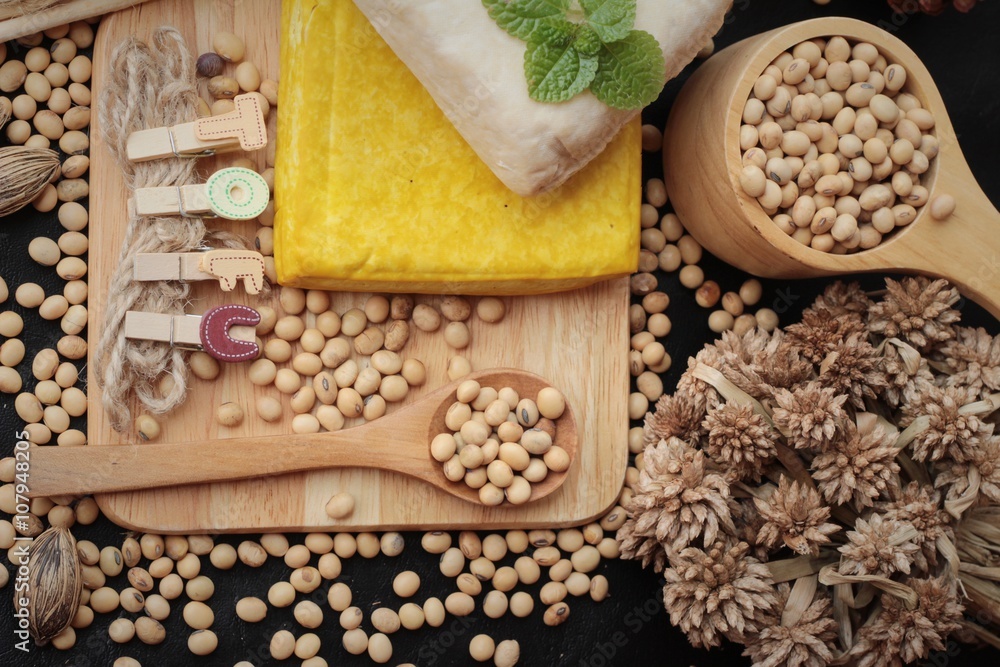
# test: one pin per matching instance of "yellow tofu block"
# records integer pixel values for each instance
(376, 191)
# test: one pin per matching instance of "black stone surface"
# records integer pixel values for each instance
(963, 54)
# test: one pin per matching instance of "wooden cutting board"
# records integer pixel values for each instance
(578, 340)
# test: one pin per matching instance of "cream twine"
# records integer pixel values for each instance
(148, 86)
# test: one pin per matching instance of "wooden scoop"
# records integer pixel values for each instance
(399, 442)
(702, 161)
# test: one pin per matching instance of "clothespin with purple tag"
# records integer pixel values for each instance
(225, 333)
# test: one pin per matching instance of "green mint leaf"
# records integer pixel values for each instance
(587, 41)
(612, 20)
(554, 32)
(555, 72)
(521, 18)
(630, 72)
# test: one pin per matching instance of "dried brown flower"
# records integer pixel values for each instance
(757, 363)
(900, 635)
(818, 334)
(841, 299)
(949, 432)
(810, 415)
(796, 516)
(720, 592)
(903, 368)
(973, 357)
(691, 386)
(984, 462)
(858, 467)
(878, 546)
(852, 368)
(920, 506)
(646, 549)
(677, 416)
(749, 522)
(676, 500)
(917, 310)
(809, 642)
(739, 439)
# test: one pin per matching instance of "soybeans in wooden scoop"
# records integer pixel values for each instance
(703, 161)
(400, 442)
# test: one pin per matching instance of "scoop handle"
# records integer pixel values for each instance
(99, 469)
(965, 247)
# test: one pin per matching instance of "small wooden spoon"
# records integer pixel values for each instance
(702, 163)
(399, 442)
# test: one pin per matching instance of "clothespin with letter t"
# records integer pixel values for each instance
(243, 128)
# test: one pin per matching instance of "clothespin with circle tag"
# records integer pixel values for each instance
(233, 193)
(243, 128)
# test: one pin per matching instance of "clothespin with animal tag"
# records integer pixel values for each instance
(243, 128)
(226, 265)
(233, 193)
(226, 332)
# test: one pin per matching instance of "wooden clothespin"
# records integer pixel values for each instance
(225, 332)
(226, 265)
(233, 193)
(243, 128)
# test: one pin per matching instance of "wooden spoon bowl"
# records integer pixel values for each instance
(702, 163)
(399, 442)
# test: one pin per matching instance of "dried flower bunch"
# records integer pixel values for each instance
(830, 492)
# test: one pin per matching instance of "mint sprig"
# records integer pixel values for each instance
(602, 51)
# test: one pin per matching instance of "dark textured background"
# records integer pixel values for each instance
(963, 54)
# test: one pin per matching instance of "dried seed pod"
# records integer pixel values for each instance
(54, 584)
(24, 173)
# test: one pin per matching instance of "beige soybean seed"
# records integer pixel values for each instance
(577, 584)
(287, 381)
(557, 614)
(282, 645)
(307, 646)
(351, 618)
(308, 614)
(426, 318)
(29, 295)
(387, 362)
(305, 579)
(459, 604)
(436, 542)
(229, 414)
(111, 561)
(942, 206)
(204, 366)
(339, 597)
(200, 588)
(355, 641)
(393, 388)
(44, 250)
(379, 648)
(469, 584)
(406, 584)
(385, 620)
(121, 630)
(495, 604)
(53, 307)
(198, 615)
(452, 562)
(251, 609)
(269, 408)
